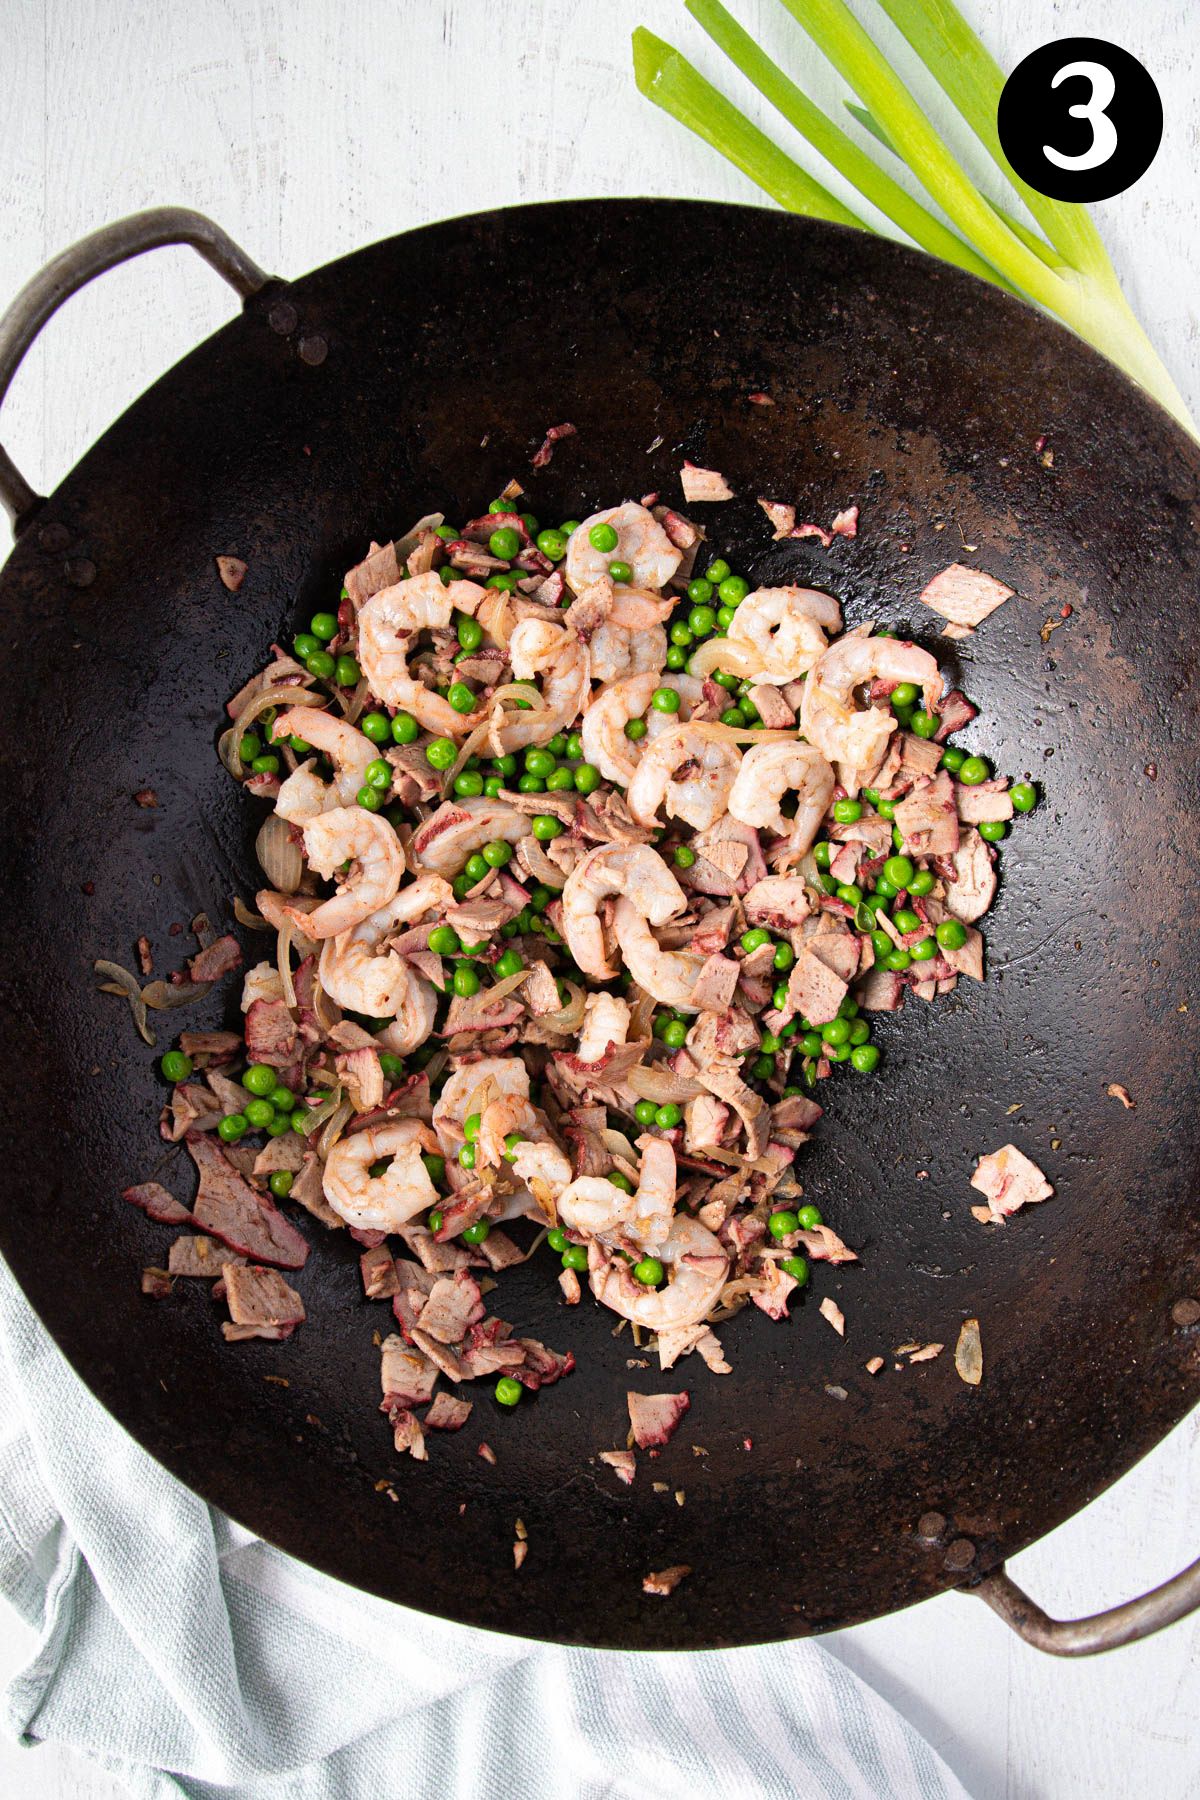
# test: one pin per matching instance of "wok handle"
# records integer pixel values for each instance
(1125, 1624)
(72, 269)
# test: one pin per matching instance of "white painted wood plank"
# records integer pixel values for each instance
(310, 128)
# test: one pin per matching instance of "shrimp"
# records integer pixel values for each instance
(507, 1113)
(416, 1011)
(544, 1163)
(539, 647)
(641, 542)
(616, 652)
(603, 729)
(632, 869)
(691, 693)
(856, 741)
(361, 977)
(370, 845)
(304, 795)
(689, 769)
(460, 827)
(605, 1021)
(594, 1206)
(509, 1075)
(690, 1294)
(389, 1200)
(669, 975)
(785, 627)
(769, 771)
(387, 623)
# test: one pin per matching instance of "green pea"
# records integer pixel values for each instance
(552, 544)
(680, 635)
(860, 1031)
(904, 694)
(560, 780)
(865, 1058)
(324, 626)
(896, 961)
(587, 778)
(176, 1066)
(466, 1156)
(763, 1068)
(753, 940)
(724, 618)
(924, 950)
(620, 1180)
(724, 679)
(905, 919)
(848, 1009)
(405, 729)
(620, 572)
(461, 886)
(508, 1392)
(812, 1043)
(951, 934)
(556, 1237)
(545, 827)
(836, 1032)
(850, 893)
(636, 728)
(466, 981)
(300, 1121)
(259, 1079)
(280, 1182)
(1023, 795)
(899, 870)
(249, 746)
(924, 724)
(468, 784)
(953, 758)
(733, 715)
(444, 940)
(475, 868)
(475, 1234)
(846, 812)
(992, 831)
(540, 762)
(677, 658)
(470, 632)
(717, 570)
(796, 1267)
(447, 533)
(507, 764)
(265, 765)
(258, 1113)
(649, 1271)
(504, 542)
(809, 1217)
(665, 700)
(822, 853)
(506, 581)
(882, 943)
(733, 590)
(370, 799)
(346, 672)
(574, 1257)
(441, 753)
(392, 1066)
(508, 964)
(378, 774)
(644, 1112)
(684, 856)
(435, 1168)
(974, 770)
(702, 621)
(922, 883)
(541, 897)
(376, 727)
(838, 1053)
(568, 526)
(232, 1127)
(828, 884)
(279, 1124)
(305, 645)
(700, 592)
(887, 810)
(668, 1116)
(461, 697)
(779, 998)
(603, 538)
(675, 1035)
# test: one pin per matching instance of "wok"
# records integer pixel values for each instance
(422, 372)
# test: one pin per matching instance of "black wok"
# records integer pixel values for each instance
(422, 372)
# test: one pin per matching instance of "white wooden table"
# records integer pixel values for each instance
(310, 129)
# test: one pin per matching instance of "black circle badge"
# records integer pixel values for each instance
(1080, 119)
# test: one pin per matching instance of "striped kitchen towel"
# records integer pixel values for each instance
(191, 1658)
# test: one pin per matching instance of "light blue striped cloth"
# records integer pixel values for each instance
(191, 1658)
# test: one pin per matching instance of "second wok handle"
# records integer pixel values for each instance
(1125, 1624)
(73, 268)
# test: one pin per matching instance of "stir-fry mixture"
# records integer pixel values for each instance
(588, 865)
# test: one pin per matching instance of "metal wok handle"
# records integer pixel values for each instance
(1125, 1624)
(73, 269)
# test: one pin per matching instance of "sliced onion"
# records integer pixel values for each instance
(617, 1144)
(405, 545)
(291, 694)
(539, 864)
(283, 962)
(663, 1085)
(476, 737)
(641, 1017)
(165, 996)
(326, 1010)
(333, 1128)
(502, 988)
(721, 653)
(278, 857)
(246, 916)
(120, 981)
(569, 1020)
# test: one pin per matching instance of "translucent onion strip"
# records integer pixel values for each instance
(279, 857)
(289, 694)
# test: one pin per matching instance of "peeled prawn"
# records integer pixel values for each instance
(594, 1206)
(629, 869)
(602, 731)
(605, 1021)
(303, 794)
(669, 975)
(509, 1075)
(641, 542)
(389, 621)
(506, 1114)
(775, 635)
(363, 978)
(461, 827)
(371, 847)
(552, 652)
(690, 771)
(616, 652)
(692, 1291)
(829, 718)
(389, 1200)
(768, 772)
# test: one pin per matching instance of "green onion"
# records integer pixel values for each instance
(1067, 272)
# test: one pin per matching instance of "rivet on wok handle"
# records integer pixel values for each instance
(930, 1526)
(1139, 1618)
(72, 269)
(1186, 1312)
